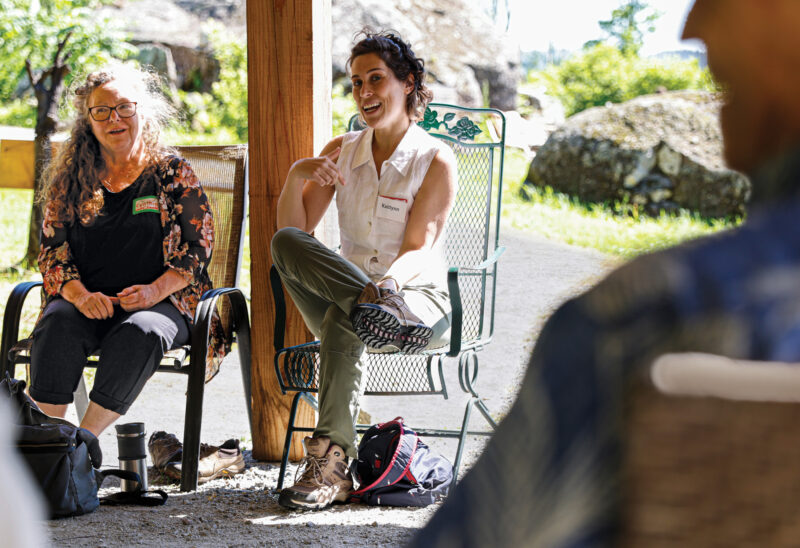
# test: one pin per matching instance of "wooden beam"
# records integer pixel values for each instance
(289, 103)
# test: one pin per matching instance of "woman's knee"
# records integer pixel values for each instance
(285, 243)
(146, 328)
(61, 315)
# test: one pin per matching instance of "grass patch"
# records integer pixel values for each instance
(599, 226)
(14, 219)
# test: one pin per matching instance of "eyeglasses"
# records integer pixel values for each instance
(103, 113)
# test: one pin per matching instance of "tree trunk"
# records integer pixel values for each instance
(48, 89)
(41, 148)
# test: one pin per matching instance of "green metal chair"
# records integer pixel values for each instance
(477, 137)
(222, 171)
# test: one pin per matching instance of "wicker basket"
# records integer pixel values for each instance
(710, 472)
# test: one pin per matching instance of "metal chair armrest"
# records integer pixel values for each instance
(202, 326)
(202, 322)
(454, 291)
(280, 308)
(11, 320)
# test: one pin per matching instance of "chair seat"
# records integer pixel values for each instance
(175, 359)
(386, 373)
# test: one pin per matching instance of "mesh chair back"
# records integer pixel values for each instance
(477, 136)
(222, 171)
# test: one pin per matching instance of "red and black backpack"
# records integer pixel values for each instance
(396, 468)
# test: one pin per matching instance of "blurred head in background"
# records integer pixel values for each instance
(754, 53)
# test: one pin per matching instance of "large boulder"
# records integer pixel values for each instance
(169, 37)
(661, 151)
(462, 48)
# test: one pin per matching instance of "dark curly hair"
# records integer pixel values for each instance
(399, 57)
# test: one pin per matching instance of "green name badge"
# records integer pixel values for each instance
(145, 204)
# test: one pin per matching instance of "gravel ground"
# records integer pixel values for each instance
(534, 277)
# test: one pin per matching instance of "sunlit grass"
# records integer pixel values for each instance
(14, 219)
(599, 226)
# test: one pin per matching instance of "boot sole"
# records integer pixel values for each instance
(285, 500)
(228, 471)
(381, 330)
(174, 472)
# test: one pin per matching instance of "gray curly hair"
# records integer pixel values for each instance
(72, 186)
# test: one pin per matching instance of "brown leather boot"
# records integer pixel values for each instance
(323, 477)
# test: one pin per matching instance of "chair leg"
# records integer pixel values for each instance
(288, 442)
(244, 364)
(191, 429)
(81, 399)
(462, 439)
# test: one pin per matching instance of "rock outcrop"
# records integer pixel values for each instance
(465, 53)
(661, 152)
(463, 50)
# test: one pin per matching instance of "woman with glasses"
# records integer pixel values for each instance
(126, 240)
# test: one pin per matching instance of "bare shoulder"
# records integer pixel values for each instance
(443, 167)
(332, 145)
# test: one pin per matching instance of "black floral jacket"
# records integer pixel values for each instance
(188, 241)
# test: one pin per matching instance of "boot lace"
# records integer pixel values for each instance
(310, 470)
(395, 300)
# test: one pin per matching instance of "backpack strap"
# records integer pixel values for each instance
(139, 498)
(400, 463)
(93, 447)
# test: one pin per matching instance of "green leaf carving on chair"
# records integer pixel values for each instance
(464, 129)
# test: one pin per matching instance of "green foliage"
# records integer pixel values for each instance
(625, 26)
(32, 29)
(602, 73)
(230, 91)
(343, 107)
(18, 112)
(219, 117)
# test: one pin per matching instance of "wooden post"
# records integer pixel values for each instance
(289, 103)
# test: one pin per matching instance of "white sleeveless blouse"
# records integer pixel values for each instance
(373, 210)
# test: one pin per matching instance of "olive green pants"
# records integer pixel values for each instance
(325, 286)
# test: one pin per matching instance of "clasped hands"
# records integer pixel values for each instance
(99, 306)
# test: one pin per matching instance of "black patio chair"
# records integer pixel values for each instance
(477, 137)
(222, 171)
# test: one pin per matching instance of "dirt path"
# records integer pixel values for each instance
(535, 276)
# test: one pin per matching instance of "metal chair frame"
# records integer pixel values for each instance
(174, 361)
(297, 366)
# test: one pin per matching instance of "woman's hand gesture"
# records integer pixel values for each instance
(139, 297)
(320, 169)
(95, 306)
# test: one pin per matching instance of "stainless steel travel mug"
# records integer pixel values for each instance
(132, 454)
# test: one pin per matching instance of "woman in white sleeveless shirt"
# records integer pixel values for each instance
(394, 186)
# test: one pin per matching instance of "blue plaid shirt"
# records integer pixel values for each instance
(550, 474)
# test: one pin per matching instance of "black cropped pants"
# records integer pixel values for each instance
(131, 345)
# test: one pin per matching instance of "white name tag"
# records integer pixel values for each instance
(394, 209)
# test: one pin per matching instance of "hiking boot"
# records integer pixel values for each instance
(164, 448)
(383, 322)
(323, 477)
(215, 462)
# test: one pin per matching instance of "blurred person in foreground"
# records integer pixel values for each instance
(126, 239)
(551, 474)
(23, 509)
